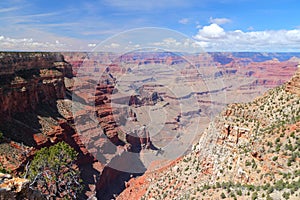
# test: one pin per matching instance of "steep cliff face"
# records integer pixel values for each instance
(31, 86)
(12, 62)
(29, 79)
(293, 86)
(35, 111)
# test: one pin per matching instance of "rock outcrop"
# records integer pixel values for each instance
(14, 188)
(29, 79)
(293, 86)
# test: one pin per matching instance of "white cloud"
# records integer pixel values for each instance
(183, 21)
(149, 5)
(114, 45)
(53, 43)
(215, 38)
(199, 26)
(219, 21)
(92, 45)
(177, 45)
(27, 44)
(293, 35)
(171, 41)
(167, 42)
(213, 31)
(2, 10)
(250, 28)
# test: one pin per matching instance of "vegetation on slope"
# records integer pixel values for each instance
(263, 162)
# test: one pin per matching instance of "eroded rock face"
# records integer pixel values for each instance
(34, 111)
(17, 61)
(293, 86)
(26, 96)
(28, 79)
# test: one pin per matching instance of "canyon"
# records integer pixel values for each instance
(100, 104)
(249, 151)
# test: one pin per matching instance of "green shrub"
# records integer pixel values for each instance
(254, 195)
(275, 158)
(270, 189)
(239, 192)
(286, 195)
(269, 197)
(279, 185)
(1, 135)
(223, 196)
(247, 163)
(3, 170)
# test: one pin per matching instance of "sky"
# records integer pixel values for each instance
(215, 25)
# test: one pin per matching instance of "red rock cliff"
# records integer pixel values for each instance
(27, 79)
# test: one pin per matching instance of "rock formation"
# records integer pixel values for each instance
(29, 79)
(33, 110)
(293, 86)
(12, 188)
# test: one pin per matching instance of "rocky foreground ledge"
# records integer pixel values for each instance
(12, 188)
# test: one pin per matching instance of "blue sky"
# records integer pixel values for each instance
(217, 25)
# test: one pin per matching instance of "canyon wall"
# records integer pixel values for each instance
(29, 79)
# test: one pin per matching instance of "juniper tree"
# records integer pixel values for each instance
(52, 171)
